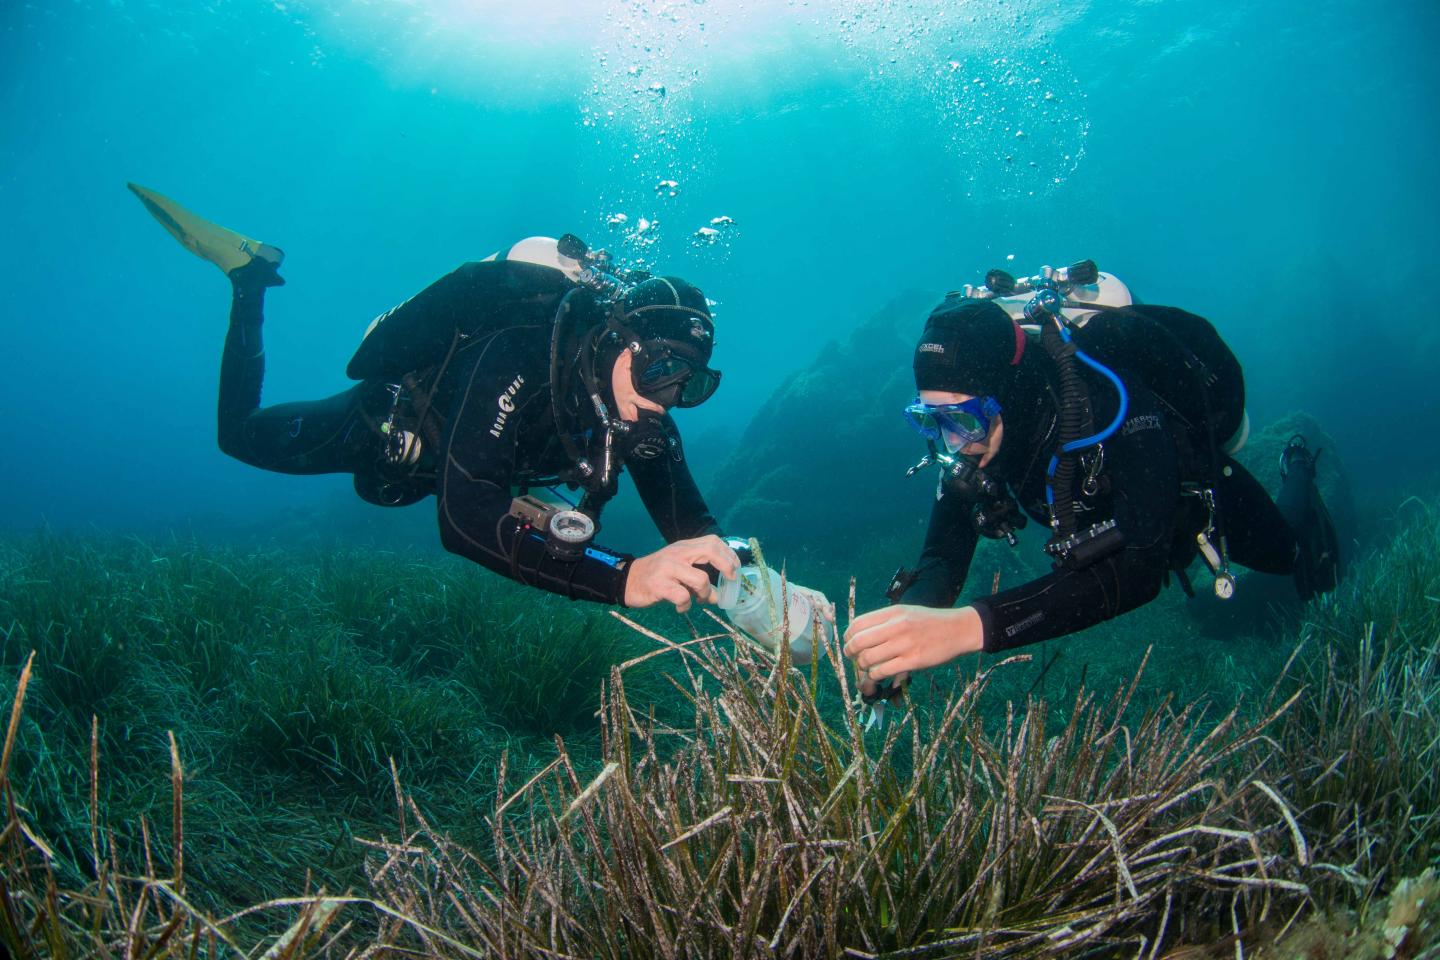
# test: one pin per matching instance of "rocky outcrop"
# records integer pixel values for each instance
(819, 474)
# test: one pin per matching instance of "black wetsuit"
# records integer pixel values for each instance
(1145, 463)
(499, 436)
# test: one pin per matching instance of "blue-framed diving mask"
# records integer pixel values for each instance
(953, 424)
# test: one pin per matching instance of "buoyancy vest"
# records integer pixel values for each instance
(1182, 359)
(408, 349)
(477, 297)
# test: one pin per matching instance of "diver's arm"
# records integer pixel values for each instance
(919, 629)
(1145, 478)
(950, 542)
(655, 458)
(476, 471)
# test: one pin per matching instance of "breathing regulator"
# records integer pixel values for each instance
(1052, 293)
(596, 268)
(1057, 302)
(1058, 299)
(568, 531)
(997, 515)
(599, 293)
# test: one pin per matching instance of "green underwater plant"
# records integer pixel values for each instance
(749, 814)
(290, 678)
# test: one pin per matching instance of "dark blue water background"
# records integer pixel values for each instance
(1268, 165)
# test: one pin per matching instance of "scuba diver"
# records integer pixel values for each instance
(1110, 422)
(528, 370)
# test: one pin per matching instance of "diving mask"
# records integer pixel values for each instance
(671, 374)
(953, 424)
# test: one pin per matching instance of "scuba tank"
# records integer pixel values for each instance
(1082, 301)
(1149, 341)
(416, 334)
(408, 349)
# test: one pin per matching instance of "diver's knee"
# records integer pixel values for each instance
(1148, 588)
(230, 444)
(233, 444)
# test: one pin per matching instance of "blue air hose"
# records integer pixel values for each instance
(1100, 437)
(1124, 408)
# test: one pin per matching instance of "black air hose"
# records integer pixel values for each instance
(1074, 423)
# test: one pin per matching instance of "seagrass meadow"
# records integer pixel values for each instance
(215, 753)
(247, 714)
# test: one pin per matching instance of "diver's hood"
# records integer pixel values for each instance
(1029, 415)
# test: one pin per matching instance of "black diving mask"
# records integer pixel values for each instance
(672, 374)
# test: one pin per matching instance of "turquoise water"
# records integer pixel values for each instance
(1267, 165)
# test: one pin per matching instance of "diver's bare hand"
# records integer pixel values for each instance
(893, 641)
(673, 573)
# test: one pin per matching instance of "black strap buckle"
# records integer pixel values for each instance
(886, 690)
(899, 583)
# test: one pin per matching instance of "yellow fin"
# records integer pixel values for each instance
(225, 248)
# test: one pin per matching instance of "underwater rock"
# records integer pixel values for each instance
(1261, 456)
(1406, 924)
(819, 473)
